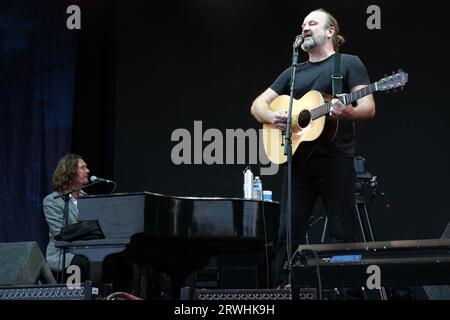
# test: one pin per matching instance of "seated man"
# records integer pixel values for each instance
(70, 173)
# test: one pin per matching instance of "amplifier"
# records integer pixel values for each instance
(402, 262)
(86, 291)
(188, 293)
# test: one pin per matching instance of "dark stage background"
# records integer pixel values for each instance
(207, 60)
(144, 69)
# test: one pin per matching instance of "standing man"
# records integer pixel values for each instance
(329, 172)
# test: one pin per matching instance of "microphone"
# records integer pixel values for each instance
(97, 179)
(298, 41)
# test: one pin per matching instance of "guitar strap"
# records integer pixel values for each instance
(336, 77)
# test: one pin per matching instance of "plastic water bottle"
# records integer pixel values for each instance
(248, 183)
(257, 189)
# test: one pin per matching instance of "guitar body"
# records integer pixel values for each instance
(310, 120)
(312, 131)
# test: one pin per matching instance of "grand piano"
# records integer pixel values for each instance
(173, 235)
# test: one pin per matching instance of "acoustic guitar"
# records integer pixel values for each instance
(311, 122)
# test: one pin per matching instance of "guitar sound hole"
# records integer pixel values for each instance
(304, 118)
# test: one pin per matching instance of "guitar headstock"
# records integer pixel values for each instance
(392, 82)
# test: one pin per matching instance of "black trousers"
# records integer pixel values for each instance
(332, 179)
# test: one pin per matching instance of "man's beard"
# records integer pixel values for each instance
(313, 42)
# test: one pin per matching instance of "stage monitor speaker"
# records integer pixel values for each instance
(22, 263)
(85, 291)
(446, 234)
(188, 293)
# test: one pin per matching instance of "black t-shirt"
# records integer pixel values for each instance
(317, 76)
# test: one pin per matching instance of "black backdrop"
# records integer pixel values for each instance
(184, 61)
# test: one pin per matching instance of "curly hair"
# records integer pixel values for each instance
(338, 40)
(65, 172)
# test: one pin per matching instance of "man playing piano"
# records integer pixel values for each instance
(70, 173)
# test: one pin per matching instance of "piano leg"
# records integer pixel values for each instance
(96, 271)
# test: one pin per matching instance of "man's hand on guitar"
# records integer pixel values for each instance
(278, 119)
(340, 111)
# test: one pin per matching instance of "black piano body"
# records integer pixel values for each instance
(173, 235)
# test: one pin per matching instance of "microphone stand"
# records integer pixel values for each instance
(66, 197)
(288, 154)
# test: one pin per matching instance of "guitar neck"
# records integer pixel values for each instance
(345, 99)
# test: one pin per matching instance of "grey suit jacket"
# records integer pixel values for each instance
(53, 211)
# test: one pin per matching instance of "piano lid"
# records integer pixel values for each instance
(125, 214)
